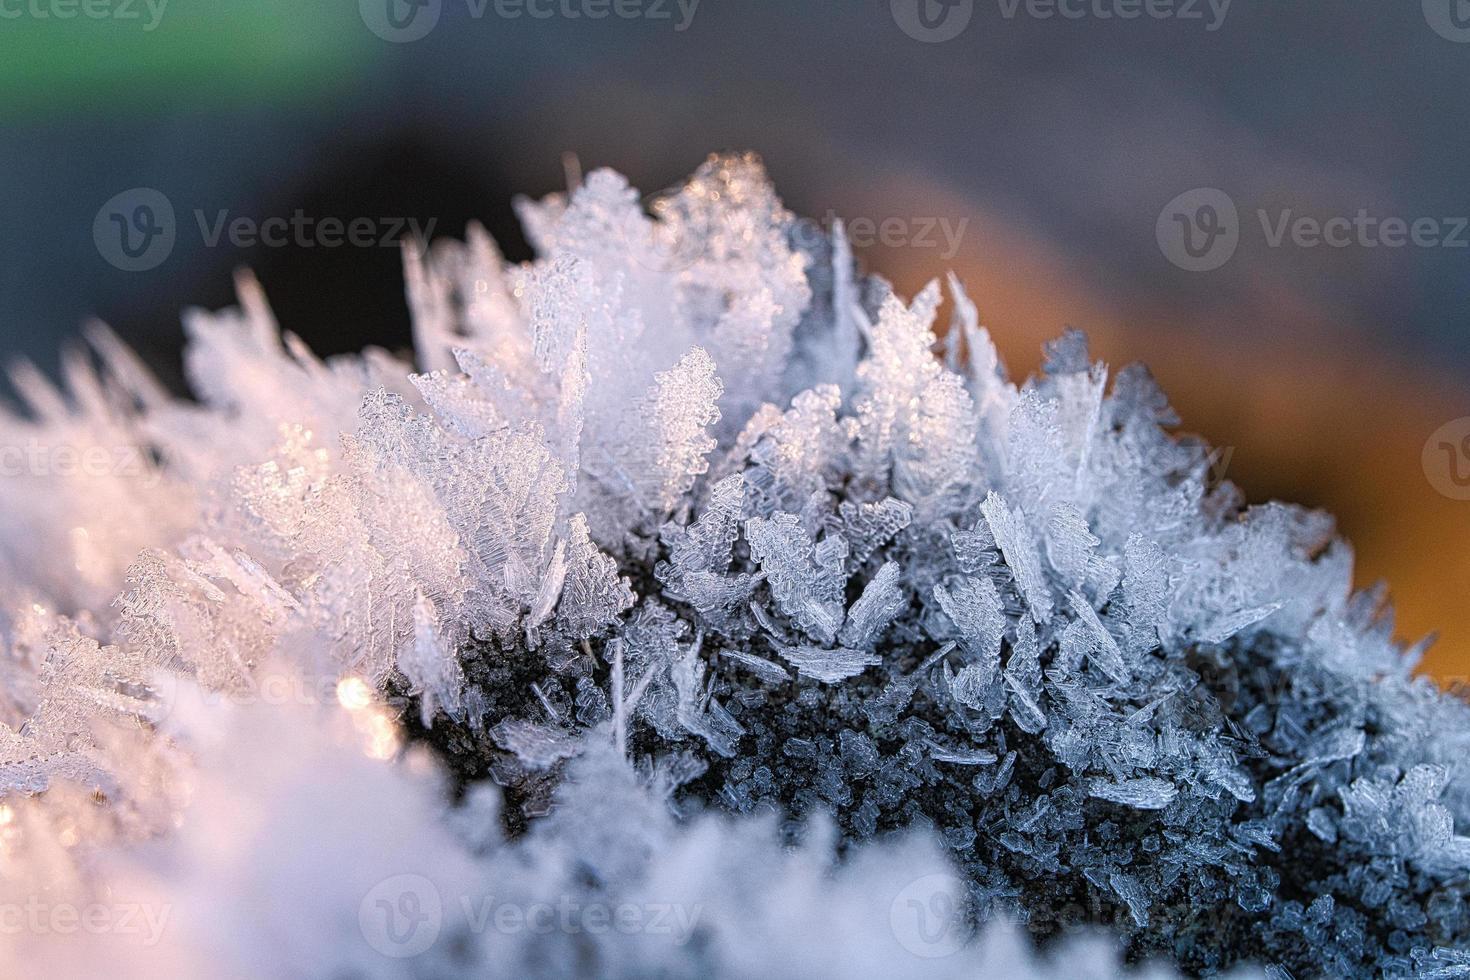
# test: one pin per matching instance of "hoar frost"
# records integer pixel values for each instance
(693, 569)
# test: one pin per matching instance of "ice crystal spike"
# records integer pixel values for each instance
(717, 584)
(828, 665)
(806, 578)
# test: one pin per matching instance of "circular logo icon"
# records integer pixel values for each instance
(673, 243)
(401, 916)
(932, 21)
(400, 21)
(164, 689)
(1199, 230)
(168, 692)
(1449, 18)
(1446, 459)
(928, 917)
(134, 231)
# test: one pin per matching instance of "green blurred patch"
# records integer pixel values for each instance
(122, 56)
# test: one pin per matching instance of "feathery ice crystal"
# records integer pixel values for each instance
(689, 576)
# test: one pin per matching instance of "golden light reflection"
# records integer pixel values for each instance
(383, 739)
(374, 723)
(353, 693)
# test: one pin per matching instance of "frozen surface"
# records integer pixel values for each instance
(705, 576)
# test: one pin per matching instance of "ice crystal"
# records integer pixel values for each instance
(712, 580)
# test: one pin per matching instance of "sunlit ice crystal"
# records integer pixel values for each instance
(689, 570)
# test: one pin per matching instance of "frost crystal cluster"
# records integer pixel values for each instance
(693, 573)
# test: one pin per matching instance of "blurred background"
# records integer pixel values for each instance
(1264, 201)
